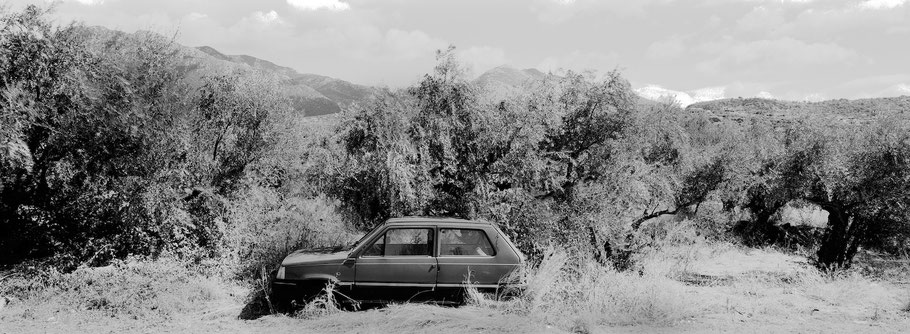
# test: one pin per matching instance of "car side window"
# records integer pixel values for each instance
(464, 242)
(377, 248)
(403, 242)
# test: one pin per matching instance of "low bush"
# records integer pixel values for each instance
(264, 225)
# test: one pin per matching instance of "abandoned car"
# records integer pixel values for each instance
(412, 258)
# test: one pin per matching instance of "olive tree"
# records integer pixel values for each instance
(432, 149)
(857, 173)
(531, 161)
(89, 119)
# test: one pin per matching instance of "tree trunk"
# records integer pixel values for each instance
(765, 228)
(841, 239)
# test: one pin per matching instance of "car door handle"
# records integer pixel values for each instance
(434, 266)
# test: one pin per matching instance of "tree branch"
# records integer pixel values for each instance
(637, 223)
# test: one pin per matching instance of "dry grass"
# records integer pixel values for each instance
(411, 318)
(131, 289)
(572, 296)
(327, 302)
(685, 287)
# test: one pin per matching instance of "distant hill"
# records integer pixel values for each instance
(310, 94)
(778, 111)
(313, 94)
(508, 76)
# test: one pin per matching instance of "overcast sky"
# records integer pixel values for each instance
(789, 49)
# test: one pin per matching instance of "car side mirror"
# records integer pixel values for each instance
(350, 260)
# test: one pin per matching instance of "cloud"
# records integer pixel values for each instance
(899, 89)
(271, 17)
(772, 54)
(560, 11)
(708, 93)
(658, 93)
(882, 4)
(196, 16)
(406, 45)
(482, 58)
(847, 21)
(258, 22)
(580, 61)
(89, 2)
(555, 11)
(875, 81)
(815, 97)
(332, 5)
(765, 95)
(670, 48)
(370, 43)
(761, 18)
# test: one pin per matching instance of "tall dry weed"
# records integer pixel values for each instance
(574, 295)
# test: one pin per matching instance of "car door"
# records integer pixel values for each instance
(467, 254)
(401, 257)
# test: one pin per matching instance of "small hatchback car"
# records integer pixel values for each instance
(412, 258)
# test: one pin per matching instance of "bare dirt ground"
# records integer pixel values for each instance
(724, 290)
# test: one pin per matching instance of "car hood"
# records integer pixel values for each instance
(328, 255)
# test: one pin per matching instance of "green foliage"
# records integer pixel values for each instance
(91, 126)
(230, 122)
(109, 149)
(430, 150)
(438, 148)
(855, 172)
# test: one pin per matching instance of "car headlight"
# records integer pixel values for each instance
(280, 274)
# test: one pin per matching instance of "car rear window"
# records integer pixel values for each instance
(402, 242)
(464, 242)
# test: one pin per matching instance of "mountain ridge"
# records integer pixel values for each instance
(331, 94)
(780, 111)
(314, 94)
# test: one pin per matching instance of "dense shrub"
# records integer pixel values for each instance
(112, 148)
(263, 226)
(92, 145)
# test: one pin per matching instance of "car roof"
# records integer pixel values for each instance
(432, 220)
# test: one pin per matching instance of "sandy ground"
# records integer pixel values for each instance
(731, 291)
(431, 319)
